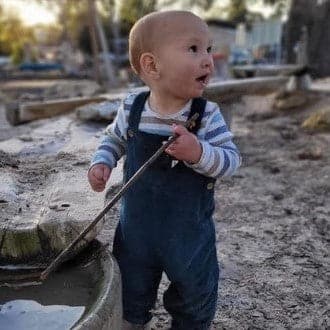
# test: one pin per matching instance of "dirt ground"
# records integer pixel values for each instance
(272, 224)
(272, 219)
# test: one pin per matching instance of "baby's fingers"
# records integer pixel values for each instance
(98, 187)
(106, 173)
(179, 130)
(98, 172)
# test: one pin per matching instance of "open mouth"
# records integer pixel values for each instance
(203, 79)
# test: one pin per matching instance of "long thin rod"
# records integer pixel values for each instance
(60, 258)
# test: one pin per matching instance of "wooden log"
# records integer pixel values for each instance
(259, 85)
(219, 92)
(21, 113)
(265, 70)
(227, 92)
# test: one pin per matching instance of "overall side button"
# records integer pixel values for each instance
(130, 133)
(210, 185)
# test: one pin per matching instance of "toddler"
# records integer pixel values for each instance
(166, 216)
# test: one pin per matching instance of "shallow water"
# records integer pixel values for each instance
(28, 314)
(57, 303)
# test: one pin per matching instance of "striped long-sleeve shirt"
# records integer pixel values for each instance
(220, 156)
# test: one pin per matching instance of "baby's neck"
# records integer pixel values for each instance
(166, 105)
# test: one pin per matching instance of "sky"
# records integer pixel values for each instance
(30, 12)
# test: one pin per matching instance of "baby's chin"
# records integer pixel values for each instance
(198, 92)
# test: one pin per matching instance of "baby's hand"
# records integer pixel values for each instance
(186, 147)
(98, 176)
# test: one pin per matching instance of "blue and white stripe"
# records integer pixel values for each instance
(220, 156)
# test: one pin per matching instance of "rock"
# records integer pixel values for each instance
(312, 153)
(26, 138)
(42, 208)
(21, 243)
(8, 190)
(286, 100)
(99, 111)
(67, 210)
(257, 314)
(299, 82)
(318, 121)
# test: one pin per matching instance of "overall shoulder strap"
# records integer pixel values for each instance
(198, 106)
(136, 110)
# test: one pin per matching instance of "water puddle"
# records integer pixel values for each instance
(28, 314)
(56, 304)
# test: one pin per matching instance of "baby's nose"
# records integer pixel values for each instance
(207, 61)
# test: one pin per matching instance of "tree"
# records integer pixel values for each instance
(299, 16)
(313, 16)
(203, 4)
(280, 6)
(13, 35)
(131, 10)
(237, 11)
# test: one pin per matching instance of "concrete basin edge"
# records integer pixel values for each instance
(106, 311)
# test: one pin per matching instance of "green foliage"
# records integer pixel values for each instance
(17, 55)
(237, 11)
(51, 34)
(132, 10)
(13, 34)
(74, 19)
(280, 6)
(73, 16)
(203, 4)
(276, 2)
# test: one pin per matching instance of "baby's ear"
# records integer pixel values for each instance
(148, 65)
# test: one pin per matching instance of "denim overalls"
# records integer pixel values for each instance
(166, 225)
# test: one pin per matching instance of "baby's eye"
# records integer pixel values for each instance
(193, 48)
(209, 49)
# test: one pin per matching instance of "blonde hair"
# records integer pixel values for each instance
(150, 31)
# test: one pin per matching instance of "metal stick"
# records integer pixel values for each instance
(60, 258)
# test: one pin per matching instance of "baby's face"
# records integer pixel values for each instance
(184, 58)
